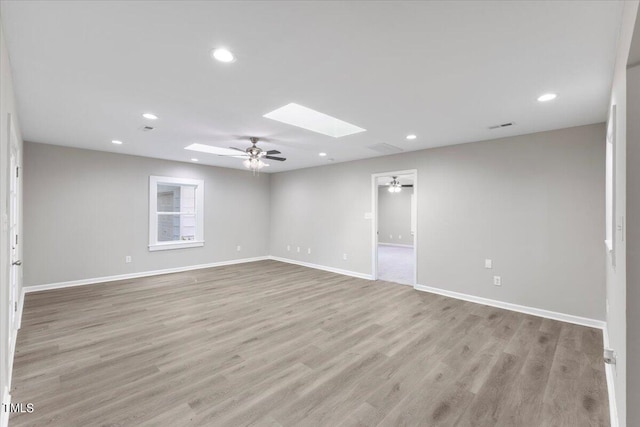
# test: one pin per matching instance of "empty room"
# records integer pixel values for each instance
(320, 213)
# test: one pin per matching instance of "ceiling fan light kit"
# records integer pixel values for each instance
(254, 164)
(253, 156)
(395, 186)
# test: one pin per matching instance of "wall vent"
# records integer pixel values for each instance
(147, 128)
(503, 125)
(385, 148)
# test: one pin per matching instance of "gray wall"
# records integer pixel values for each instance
(533, 203)
(616, 276)
(394, 216)
(86, 210)
(633, 243)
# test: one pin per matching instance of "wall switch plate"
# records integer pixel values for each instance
(288, 247)
(497, 280)
(309, 250)
(399, 236)
(488, 263)
(298, 249)
(127, 259)
(344, 257)
(238, 248)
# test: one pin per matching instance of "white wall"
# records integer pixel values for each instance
(7, 109)
(633, 244)
(533, 203)
(616, 280)
(394, 216)
(86, 210)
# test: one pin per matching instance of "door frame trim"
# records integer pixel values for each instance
(374, 220)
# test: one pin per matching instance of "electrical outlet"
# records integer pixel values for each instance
(288, 248)
(298, 249)
(344, 257)
(238, 248)
(127, 259)
(497, 280)
(488, 263)
(399, 236)
(390, 236)
(309, 251)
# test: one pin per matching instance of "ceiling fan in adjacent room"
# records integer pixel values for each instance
(253, 155)
(395, 186)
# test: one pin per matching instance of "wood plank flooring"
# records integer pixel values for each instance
(273, 344)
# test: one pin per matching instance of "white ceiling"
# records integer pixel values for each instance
(84, 72)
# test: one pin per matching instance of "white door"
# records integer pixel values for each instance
(15, 273)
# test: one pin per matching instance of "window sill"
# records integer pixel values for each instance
(175, 245)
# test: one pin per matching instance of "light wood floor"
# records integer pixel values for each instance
(273, 344)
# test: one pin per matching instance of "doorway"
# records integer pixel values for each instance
(394, 227)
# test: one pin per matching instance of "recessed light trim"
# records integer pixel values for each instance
(116, 142)
(547, 97)
(223, 55)
(306, 118)
(322, 154)
(411, 137)
(150, 116)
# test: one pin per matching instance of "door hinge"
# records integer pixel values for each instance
(17, 171)
(15, 306)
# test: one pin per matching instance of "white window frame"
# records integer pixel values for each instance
(154, 244)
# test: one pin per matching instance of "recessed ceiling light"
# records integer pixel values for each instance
(150, 116)
(115, 141)
(322, 154)
(194, 160)
(306, 118)
(411, 136)
(547, 97)
(223, 55)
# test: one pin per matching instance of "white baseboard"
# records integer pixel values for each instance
(322, 267)
(569, 318)
(95, 280)
(399, 245)
(611, 386)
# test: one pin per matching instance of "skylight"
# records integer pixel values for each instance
(213, 150)
(306, 118)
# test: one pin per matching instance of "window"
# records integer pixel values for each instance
(176, 213)
(610, 183)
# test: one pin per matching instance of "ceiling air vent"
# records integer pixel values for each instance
(385, 148)
(147, 128)
(503, 125)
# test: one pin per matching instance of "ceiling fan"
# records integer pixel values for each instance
(253, 155)
(395, 186)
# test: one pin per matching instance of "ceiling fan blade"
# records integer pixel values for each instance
(279, 159)
(270, 152)
(237, 149)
